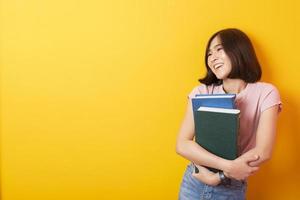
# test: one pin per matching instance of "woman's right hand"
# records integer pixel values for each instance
(206, 176)
(239, 168)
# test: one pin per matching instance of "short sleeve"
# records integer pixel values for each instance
(197, 90)
(271, 99)
(193, 93)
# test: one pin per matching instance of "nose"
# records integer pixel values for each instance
(213, 57)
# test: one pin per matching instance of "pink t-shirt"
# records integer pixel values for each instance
(251, 101)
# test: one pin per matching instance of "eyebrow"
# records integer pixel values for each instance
(215, 47)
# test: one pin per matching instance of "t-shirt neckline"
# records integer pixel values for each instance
(238, 95)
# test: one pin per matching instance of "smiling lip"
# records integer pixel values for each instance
(218, 65)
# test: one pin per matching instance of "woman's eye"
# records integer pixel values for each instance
(208, 54)
(219, 49)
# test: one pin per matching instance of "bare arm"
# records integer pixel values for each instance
(265, 135)
(190, 150)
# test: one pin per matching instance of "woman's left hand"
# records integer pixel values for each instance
(206, 176)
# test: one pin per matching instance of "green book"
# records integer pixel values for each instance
(216, 130)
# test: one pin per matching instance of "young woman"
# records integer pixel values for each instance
(232, 67)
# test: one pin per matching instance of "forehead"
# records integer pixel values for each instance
(215, 42)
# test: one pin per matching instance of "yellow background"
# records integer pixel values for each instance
(93, 93)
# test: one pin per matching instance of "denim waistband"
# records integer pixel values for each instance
(233, 182)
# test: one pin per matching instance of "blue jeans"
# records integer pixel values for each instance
(192, 189)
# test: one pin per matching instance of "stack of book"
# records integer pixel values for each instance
(217, 124)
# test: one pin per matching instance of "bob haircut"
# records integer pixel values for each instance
(240, 51)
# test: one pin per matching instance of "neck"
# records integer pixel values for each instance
(234, 86)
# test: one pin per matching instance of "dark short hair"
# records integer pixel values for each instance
(240, 51)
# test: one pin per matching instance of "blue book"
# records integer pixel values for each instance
(213, 100)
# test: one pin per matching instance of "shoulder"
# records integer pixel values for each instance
(199, 89)
(267, 94)
(263, 88)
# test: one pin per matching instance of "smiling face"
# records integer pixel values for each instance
(217, 59)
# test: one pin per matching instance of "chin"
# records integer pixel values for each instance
(221, 77)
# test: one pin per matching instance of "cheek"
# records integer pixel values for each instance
(229, 65)
(210, 67)
(209, 62)
(226, 58)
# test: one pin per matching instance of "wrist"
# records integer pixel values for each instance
(223, 179)
(227, 168)
(226, 174)
(226, 165)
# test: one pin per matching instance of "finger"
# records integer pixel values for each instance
(197, 165)
(252, 164)
(253, 172)
(252, 158)
(254, 169)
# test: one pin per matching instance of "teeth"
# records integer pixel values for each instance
(218, 65)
